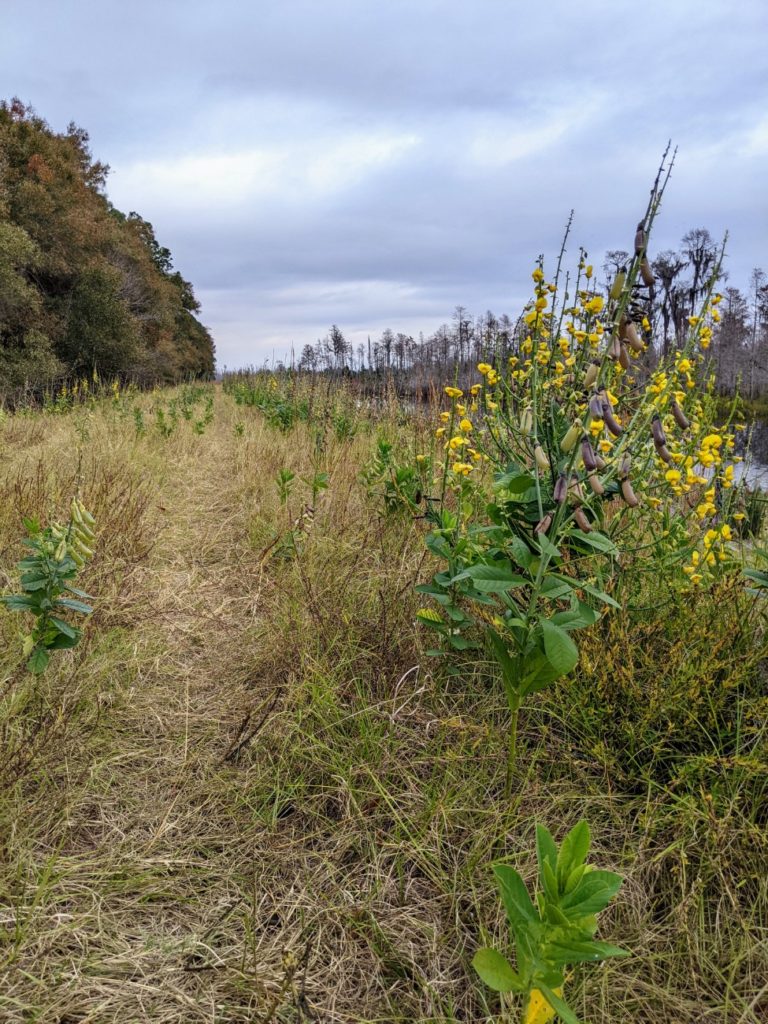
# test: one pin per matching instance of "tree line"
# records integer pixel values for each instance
(739, 350)
(84, 288)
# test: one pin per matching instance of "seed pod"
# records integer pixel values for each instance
(626, 464)
(75, 511)
(86, 515)
(84, 533)
(614, 352)
(575, 493)
(57, 531)
(591, 375)
(588, 455)
(610, 420)
(646, 272)
(544, 524)
(581, 521)
(561, 489)
(596, 407)
(77, 558)
(526, 421)
(628, 494)
(641, 239)
(623, 356)
(594, 482)
(601, 463)
(541, 457)
(663, 452)
(61, 551)
(618, 284)
(571, 436)
(632, 336)
(659, 437)
(680, 418)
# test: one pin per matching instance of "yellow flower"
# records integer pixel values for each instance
(605, 445)
(462, 468)
(454, 392)
(738, 516)
(476, 389)
(672, 476)
(595, 305)
(466, 426)
(421, 458)
(493, 377)
(440, 431)
(711, 441)
(445, 416)
(725, 532)
(588, 272)
(596, 427)
(538, 274)
(457, 442)
(484, 368)
(693, 320)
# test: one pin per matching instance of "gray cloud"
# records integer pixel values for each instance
(375, 165)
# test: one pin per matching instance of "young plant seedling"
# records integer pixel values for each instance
(554, 931)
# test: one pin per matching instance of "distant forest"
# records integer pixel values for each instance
(83, 287)
(738, 354)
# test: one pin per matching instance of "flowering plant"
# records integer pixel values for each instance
(570, 450)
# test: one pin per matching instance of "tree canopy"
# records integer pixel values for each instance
(83, 287)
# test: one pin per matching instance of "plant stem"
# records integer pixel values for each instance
(514, 713)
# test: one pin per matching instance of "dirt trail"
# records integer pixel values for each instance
(142, 918)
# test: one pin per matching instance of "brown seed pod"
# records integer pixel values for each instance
(591, 375)
(601, 463)
(594, 482)
(561, 489)
(581, 521)
(626, 465)
(544, 524)
(680, 418)
(663, 452)
(588, 455)
(596, 407)
(610, 420)
(614, 352)
(659, 437)
(646, 272)
(628, 494)
(641, 239)
(632, 336)
(623, 356)
(575, 493)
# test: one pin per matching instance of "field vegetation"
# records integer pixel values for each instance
(249, 794)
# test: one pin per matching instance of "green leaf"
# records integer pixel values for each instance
(514, 895)
(38, 663)
(492, 579)
(19, 602)
(561, 651)
(64, 627)
(595, 592)
(546, 851)
(573, 851)
(506, 663)
(593, 894)
(514, 483)
(75, 606)
(564, 952)
(565, 1013)
(496, 971)
(520, 552)
(546, 546)
(598, 541)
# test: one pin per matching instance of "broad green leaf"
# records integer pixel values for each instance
(565, 952)
(593, 894)
(517, 901)
(506, 663)
(561, 651)
(598, 541)
(573, 851)
(520, 552)
(491, 579)
(496, 971)
(514, 483)
(545, 847)
(63, 627)
(38, 663)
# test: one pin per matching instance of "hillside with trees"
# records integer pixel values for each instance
(84, 288)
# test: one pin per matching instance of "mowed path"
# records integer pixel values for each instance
(141, 913)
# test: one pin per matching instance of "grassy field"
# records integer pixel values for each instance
(250, 795)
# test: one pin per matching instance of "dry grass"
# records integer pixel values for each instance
(249, 797)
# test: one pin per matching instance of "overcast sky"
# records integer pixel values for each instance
(374, 164)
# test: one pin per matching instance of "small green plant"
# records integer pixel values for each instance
(401, 487)
(138, 422)
(57, 553)
(239, 428)
(553, 932)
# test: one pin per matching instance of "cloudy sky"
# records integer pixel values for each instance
(375, 164)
